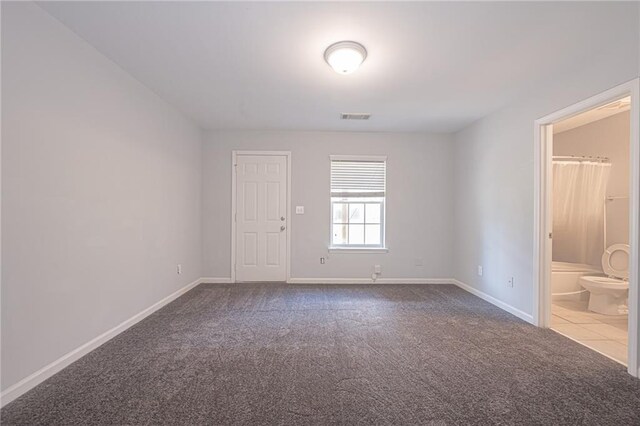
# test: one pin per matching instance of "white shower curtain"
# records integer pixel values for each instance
(579, 191)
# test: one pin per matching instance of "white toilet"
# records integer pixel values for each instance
(608, 295)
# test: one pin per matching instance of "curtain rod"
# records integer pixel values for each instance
(580, 159)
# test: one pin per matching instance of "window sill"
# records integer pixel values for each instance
(360, 250)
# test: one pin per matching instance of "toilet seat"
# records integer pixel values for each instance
(620, 267)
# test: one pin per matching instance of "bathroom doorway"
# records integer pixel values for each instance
(587, 223)
(590, 226)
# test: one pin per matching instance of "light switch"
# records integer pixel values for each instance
(299, 209)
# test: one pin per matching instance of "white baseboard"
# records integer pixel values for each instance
(215, 280)
(44, 373)
(500, 304)
(370, 281)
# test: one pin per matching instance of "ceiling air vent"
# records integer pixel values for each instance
(355, 116)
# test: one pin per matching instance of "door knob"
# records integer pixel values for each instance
(282, 228)
(282, 218)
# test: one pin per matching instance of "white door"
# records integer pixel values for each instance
(261, 217)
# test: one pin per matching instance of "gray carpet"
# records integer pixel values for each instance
(386, 354)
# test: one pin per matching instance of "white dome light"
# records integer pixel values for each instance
(345, 56)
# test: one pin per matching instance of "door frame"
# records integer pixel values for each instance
(234, 155)
(543, 214)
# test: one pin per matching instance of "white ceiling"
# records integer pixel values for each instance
(431, 66)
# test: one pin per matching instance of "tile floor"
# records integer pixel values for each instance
(604, 333)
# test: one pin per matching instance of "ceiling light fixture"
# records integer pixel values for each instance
(345, 56)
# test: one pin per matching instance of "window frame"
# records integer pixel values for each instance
(374, 199)
(359, 200)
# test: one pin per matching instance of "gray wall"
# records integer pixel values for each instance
(100, 193)
(609, 138)
(419, 222)
(494, 171)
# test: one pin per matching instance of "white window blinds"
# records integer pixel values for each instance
(358, 178)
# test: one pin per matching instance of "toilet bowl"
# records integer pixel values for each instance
(608, 295)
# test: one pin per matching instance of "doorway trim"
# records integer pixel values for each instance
(543, 215)
(234, 162)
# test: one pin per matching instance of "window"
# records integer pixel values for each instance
(358, 187)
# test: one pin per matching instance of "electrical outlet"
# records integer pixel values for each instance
(179, 269)
(510, 282)
(377, 269)
(479, 270)
(322, 260)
